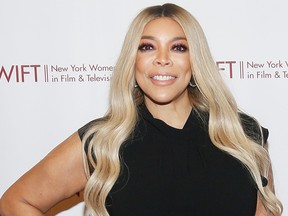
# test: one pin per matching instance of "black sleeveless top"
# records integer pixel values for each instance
(179, 172)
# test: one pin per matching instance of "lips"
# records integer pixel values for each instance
(163, 77)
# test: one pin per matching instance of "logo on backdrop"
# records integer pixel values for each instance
(55, 73)
(254, 70)
(89, 73)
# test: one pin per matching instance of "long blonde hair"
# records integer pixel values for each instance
(211, 95)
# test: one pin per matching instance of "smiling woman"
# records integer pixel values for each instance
(173, 141)
(163, 69)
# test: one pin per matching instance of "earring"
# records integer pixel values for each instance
(136, 85)
(192, 85)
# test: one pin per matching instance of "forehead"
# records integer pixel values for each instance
(163, 25)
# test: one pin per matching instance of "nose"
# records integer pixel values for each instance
(162, 58)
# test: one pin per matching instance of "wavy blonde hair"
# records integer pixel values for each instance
(211, 95)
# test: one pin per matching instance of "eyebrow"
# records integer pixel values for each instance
(154, 38)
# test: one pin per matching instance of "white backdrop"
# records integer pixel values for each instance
(56, 59)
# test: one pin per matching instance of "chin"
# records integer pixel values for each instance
(161, 101)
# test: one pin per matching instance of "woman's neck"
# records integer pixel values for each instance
(173, 114)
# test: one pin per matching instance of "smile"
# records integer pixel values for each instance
(162, 78)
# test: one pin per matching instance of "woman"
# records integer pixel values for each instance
(173, 141)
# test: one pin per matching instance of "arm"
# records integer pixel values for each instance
(58, 176)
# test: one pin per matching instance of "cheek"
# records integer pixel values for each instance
(186, 69)
(139, 70)
(184, 63)
(141, 64)
(138, 64)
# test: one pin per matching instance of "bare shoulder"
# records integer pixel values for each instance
(56, 177)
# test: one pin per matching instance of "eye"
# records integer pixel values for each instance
(145, 47)
(179, 48)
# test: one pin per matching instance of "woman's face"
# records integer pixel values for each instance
(163, 69)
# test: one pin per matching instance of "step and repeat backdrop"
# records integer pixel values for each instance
(57, 58)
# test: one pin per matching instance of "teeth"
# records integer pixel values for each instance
(159, 77)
